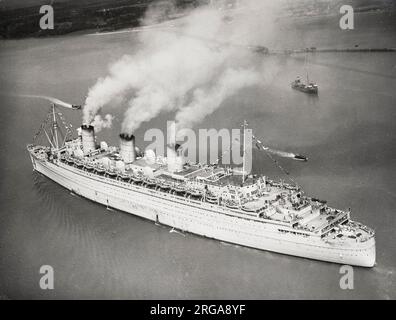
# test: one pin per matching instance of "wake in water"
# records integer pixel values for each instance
(173, 230)
(282, 154)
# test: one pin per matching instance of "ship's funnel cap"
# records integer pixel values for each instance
(127, 137)
(173, 147)
(87, 127)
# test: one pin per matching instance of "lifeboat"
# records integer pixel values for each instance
(100, 169)
(150, 182)
(211, 198)
(251, 210)
(136, 179)
(195, 193)
(164, 185)
(111, 173)
(124, 176)
(88, 166)
(231, 204)
(79, 163)
(179, 189)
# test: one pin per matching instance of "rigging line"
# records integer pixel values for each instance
(65, 135)
(225, 152)
(275, 161)
(49, 140)
(42, 127)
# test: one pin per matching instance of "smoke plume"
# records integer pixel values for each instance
(100, 123)
(206, 101)
(188, 66)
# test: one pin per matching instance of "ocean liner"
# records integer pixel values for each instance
(208, 200)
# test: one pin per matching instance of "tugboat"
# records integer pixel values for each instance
(300, 157)
(308, 87)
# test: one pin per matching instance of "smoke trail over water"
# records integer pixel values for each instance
(189, 69)
(51, 99)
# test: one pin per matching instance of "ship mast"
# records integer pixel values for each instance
(306, 66)
(55, 128)
(51, 128)
(244, 151)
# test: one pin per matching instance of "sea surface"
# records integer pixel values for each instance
(348, 133)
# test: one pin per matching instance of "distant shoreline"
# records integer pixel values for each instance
(119, 15)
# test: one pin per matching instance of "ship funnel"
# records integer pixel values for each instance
(127, 147)
(175, 158)
(88, 138)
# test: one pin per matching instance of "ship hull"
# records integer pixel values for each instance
(200, 218)
(305, 89)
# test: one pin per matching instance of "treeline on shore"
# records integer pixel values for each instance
(75, 15)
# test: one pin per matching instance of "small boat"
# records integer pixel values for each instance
(88, 166)
(78, 163)
(70, 160)
(300, 157)
(178, 189)
(211, 198)
(111, 173)
(231, 204)
(124, 176)
(246, 209)
(136, 179)
(149, 182)
(164, 185)
(195, 193)
(100, 169)
(309, 87)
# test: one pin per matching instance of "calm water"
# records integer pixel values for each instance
(348, 133)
